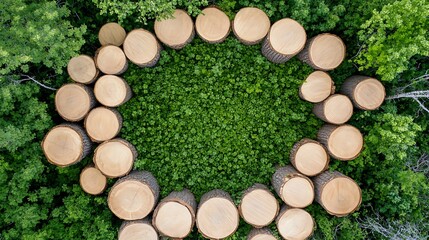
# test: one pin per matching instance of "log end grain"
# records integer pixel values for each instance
(141, 47)
(175, 31)
(139, 229)
(317, 87)
(112, 91)
(111, 34)
(336, 109)
(327, 51)
(261, 234)
(298, 192)
(82, 69)
(295, 223)
(73, 101)
(309, 157)
(251, 25)
(343, 142)
(103, 124)
(287, 36)
(114, 158)
(369, 94)
(173, 219)
(212, 25)
(111, 60)
(92, 181)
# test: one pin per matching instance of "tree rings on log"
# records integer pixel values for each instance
(338, 194)
(111, 34)
(112, 91)
(343, 142)
(365, 92)
(115, 158)
(103, 124)
(336, 109)
(73, 101)
(317, 87)
(258, 206)
(92, 180)
(82, 69)
(217, 215)
(251, 25)
(111, 60)
(324, 52)
(295, 189)
(261, 234)
(309, 157)
(174, 217)
(286, 39)
(134, 196)
(212, 25)
(66, 144)
(295, 223)
(137, 229)
(142, 48)
(177, 31)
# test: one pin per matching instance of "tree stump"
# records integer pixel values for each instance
(217, 215)
(258, 206)
(343, 142)
(295, 189)
(309, 157)
(92, 181)
(177, 31)
(365, 92)
(111, 60)
(73, 101)
(338, 194)
(82, 69)
(295, 223)
(250, 25)
(261, 234)
(317, 87)
(134, 196)
(324, 52)
(285, 39)
(174, 217)
(142, 48)
(111, 34)
(112, 91)
(115, 158)
(212, 25)
(137, 229)
(103, 124)
(336, 109)
(66, 144)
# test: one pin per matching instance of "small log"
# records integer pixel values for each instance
(336, 109)
(261, 234)
(103, 124)
(295, 223)
(295, 189)
(66, 144)
(111, 34)
(309, 157)
(115, 158)
(338, 194)
(142, 48)
(365, 92)
(217, 215)
(111, 60)
(324, 52)
(134, 196)
(258, 206)
(317, 87)
(73, 101)
(250, 25)
(212, 25)
(92, 181)
(175, 32)
(343, 142)
(286, 39)
(174, 217)
(112, 91)
(137, 229)
(82, 69)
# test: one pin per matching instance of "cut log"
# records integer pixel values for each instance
(324, 52)
(261, 234)
(92, 180)
(111, 60)
(212, 25)
(82, 69)
(73, 101)
(103, 124)
(142, 48)
(112, 91)
(338, 194)
(134, 196)
(317, 87)
(177, 31)
(295, 189)
(343, 142)
(111, 34)
(174, 217)
(365, 92)
(336, 109)
(286, 39)
(309, 157)
(295, 223)
(258, 206)
(137, 229)
(66, 144)
(217, 215)
(115, 158)
(250, 25)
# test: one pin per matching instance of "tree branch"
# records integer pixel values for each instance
(32, 79)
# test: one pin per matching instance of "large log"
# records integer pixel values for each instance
(365, 92)
(111, 60)
(73, 101)
(175, 32)
(338, 194)
(250, 25)
(295, 223)
(336, 109)
(212, 25)
(134, 196)
(261, 234)
(309, 157)
(142, 48)
(82, 69)
(111, 34)
(92, 180)
(112, 91)
(137, 229)
(103, 124)
(317, 87)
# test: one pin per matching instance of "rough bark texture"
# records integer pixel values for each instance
(302, 142)
(259, 231)
(271, 54)
(304, 55)
(281, 176)
(128, 223)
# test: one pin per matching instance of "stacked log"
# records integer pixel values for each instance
(365, 92)
(92, 181)
(103, 124)
(317, 87)
(111, 34)
(137, 229)
(336, 109)
(175, 32)
(82, 69)
(112, 91)
(309, 157)
(250, 25)
(261, 234)
(73, 101)
(111, 60)
(142, 48)
(212, 25)
(295, 223)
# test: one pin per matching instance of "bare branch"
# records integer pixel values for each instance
(421, 165)
(32, 79)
